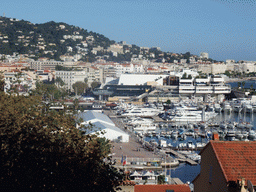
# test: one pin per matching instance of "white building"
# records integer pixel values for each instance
(141, 79)
(248, 67)
(101, 122)
(214, 84)
(70, 77)
(45, 64)
(204, 55)
(129, 68)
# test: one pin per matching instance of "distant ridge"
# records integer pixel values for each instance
(53, 40)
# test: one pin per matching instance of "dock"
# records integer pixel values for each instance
(177, 181)
(181, 157)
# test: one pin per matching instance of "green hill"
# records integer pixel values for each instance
(53, 40)
(47, 39)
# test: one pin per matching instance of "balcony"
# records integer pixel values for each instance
(204, 89)
(222, 89)
(186, 89)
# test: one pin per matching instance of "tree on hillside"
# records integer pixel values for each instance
(59, 82)
(48, 91)
(79, 87)
(95, 84)
(42, 150)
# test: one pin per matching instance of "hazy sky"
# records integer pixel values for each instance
(226, 29)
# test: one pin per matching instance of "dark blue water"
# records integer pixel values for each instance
(247, 84)
(186, 172)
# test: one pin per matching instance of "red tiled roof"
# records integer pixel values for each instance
(150, 68)
(161, 188)
(237, 159)
(127, 182)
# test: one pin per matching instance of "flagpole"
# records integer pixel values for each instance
(125, 161)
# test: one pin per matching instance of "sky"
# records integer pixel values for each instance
(226, 29)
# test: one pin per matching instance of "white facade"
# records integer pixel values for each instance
(141, 79)
(45, 64)
(218, 68)
(207, 85)
(70, 77)
(248, 67)
(129, 68)
(204, 55)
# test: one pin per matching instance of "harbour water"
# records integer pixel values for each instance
(186, 172)
(246, 85)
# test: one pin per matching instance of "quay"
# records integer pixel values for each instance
(181, 157)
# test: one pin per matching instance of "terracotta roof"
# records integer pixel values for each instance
(237, 159)
(161, 188)
(150, 68)
(127, 182)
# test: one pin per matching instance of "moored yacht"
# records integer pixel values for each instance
(140, 112)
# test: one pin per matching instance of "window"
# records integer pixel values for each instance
(210, 174)
(169, 190)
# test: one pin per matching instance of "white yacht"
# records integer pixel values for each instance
(227, 107)
(138, 121)
(140, 112)
(252, 135)
(192, 116)
(231, 133)
(191, 145)
(188, 112)
(145, 128)
(248, 108)
(162, 143)
(217, 107)
(239, 135)
(175, 134)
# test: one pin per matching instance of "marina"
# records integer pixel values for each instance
(181, 139)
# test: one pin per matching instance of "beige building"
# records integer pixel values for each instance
(226, 166)
(45, 64)
(70, 77)
(212, 68)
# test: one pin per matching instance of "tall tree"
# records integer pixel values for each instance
(42, 150)
(2, 82)
(79, 87)
(95, 84)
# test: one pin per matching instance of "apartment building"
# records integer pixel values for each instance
(214, 84)
(70, 77)
(129, 68)
(45, 64)
(94, 74)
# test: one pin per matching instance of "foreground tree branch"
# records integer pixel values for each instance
(42, 150)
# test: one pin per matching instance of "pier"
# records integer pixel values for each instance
(181, 157)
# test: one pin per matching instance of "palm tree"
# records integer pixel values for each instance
(243, 84)
(238, 85)
(251, 86)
